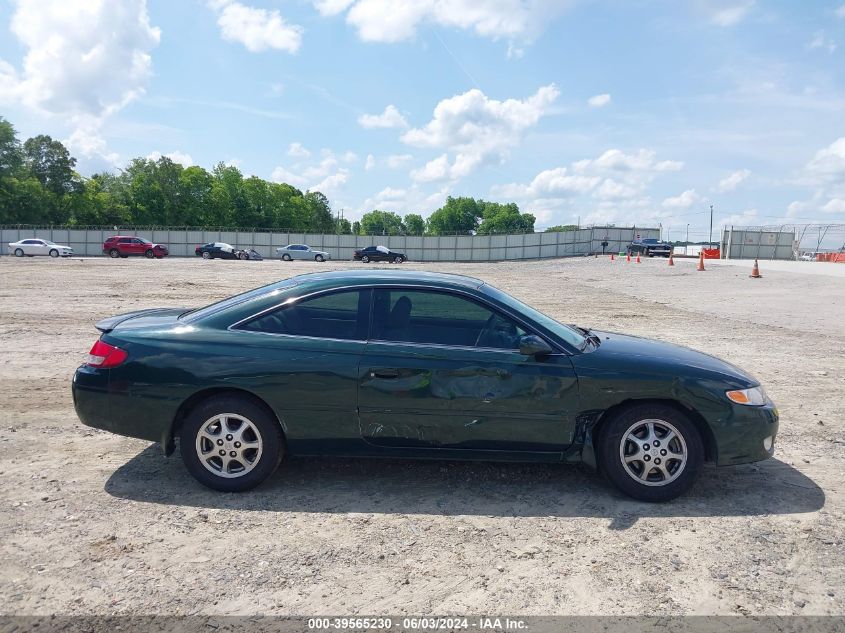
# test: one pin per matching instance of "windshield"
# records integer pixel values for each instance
(199, 313)
(649, 240)
(567, 333)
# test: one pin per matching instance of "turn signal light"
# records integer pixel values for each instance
(104, 356)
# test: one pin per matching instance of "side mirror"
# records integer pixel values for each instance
(533, 345)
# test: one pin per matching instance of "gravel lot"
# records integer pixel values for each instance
(93, 523)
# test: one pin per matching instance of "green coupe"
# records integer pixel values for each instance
(418, 365)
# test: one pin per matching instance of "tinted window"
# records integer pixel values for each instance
(440, 318)
(340, 315)
(124, 240)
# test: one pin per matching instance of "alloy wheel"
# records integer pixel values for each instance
(229, 445)
(653, 452)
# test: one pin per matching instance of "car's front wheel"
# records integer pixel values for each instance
(398, 259)
(319, 258)
(231, 443)
(149, 253)
(652, 452)
(54, 253)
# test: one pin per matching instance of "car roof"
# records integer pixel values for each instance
(367, 277)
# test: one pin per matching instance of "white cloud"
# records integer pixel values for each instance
(643, 161)
(256, 29)
(176, 156)
(732, 181)
(411, 200)
(397, 161)
(371, 162)
(834, 205)
(390, 118)
(558, 182)
(598, 101)
(614, 190)
(726, 12)
(477, 129)
(297, 150)
(744, 218)
(840, 12)
(828, 165)
(398, 20)
(820, 40)
(326, 175)
(682, 201)
(83, 62)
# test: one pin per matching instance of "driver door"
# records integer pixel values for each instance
(442, 371)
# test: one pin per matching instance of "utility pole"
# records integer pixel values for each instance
(686, 248)
(711, 226)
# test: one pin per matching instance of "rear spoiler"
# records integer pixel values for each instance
(107, 325)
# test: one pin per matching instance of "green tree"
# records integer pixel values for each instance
(11, 154)
(381, 223)
(458, 216)
(356, 228)
(414, 224)
(562, 228)
(50, 163)
(504, 218)
(343, 226)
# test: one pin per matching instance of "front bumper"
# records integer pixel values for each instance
(748, 434)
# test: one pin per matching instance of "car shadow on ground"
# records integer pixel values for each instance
(388, 486)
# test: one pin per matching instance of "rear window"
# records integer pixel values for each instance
(200, 313)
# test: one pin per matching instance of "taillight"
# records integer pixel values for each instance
(103, 355)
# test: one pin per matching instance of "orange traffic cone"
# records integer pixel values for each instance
(638, 258)
(755, 272)
(700, 261)
(612, 258)
(628, 257)
(671, 261)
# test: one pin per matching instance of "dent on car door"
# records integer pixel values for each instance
(304, 361)
(433, 377)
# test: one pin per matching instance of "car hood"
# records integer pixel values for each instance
(617, 347)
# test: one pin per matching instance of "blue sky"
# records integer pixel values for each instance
(639, 112)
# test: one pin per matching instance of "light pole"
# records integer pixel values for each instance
(711, 227)
(686, 248)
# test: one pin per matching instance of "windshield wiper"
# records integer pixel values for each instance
(590, 336)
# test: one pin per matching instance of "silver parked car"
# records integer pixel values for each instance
(301, 251)
(36, 246)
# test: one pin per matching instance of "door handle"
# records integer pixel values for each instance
(384, 373)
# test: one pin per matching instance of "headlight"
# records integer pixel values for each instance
(754, 397)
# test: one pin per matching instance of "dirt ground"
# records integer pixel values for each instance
(93, 523)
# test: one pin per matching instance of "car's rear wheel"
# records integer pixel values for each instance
(286, 257)
(366, 259)
(231, 443)
(18, 252)
(149, 253)
(114, 253)
(652, 452)
(206, 255)
(319, 258)
(54, 252)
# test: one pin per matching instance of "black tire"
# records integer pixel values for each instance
(266, 427)
(18, 252)
(366, 259)
(243, 255)
(114, 253)
(149, 253)
(54, 253)
(286, 257)
(398, 259)
(610, 449)
(319, 258)
(206, 255)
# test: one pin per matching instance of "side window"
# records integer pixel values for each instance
(440, 318)
(340, 315)
(124, 240)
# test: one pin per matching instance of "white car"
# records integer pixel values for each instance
(301, 251)
(35, 246)
(808, 257)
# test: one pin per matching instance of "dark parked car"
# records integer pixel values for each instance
(378, 254)
(126, 246)
(414, 365)
(650, 247)
(222, 250)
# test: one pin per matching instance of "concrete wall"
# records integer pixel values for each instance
(447, 248)
(742, 242)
